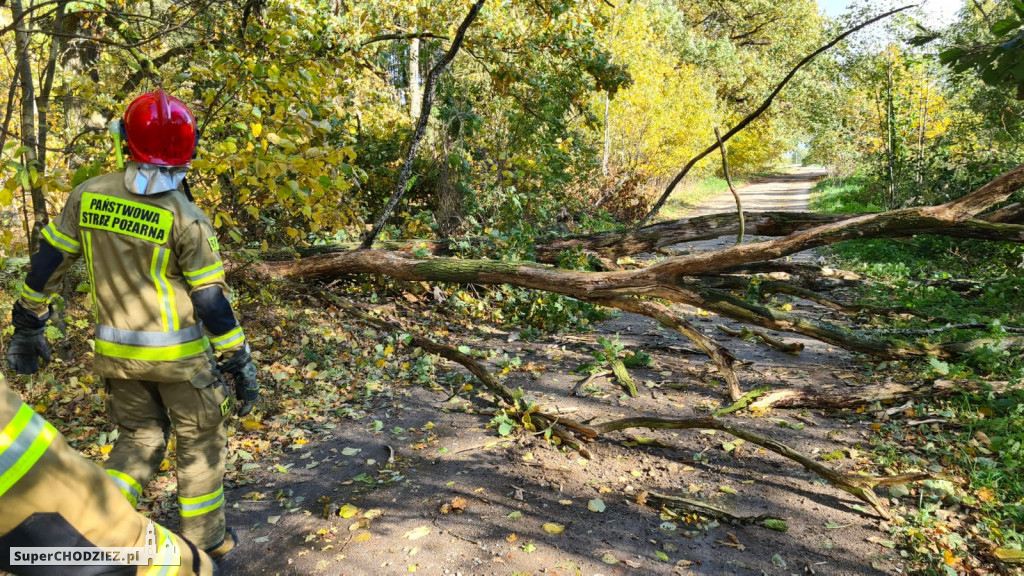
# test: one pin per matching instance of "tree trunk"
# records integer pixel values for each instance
(32, 167)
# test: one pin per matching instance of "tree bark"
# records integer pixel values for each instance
(33, 170)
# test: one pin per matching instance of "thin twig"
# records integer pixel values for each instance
(728, 180)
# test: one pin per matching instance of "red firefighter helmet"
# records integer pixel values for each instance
(160, 129)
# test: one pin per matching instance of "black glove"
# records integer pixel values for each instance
(243, 379)
(28, 344)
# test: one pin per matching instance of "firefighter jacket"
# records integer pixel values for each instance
(158, 288)
(51, 497)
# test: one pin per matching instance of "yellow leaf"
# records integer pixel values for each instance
(106, 449)
(348, 511)
(986, 494)
(429, 426)
(553, 528)
(251, 424)
(165, 465)
(947, 556)
(1010, 555)
(257, 129)
(417, 533)
(41, 408)
(361, 537)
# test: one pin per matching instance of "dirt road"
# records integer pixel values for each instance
(789, 192)
(425, 485)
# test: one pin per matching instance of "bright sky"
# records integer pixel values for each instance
(938, 12)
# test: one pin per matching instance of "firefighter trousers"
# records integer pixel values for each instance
(53, 497)
(198, 409)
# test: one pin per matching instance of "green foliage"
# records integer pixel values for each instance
(849, 195)
(985, 444)
(993, 49)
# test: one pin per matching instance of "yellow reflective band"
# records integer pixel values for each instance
(164, 290)
(129, 487)
(126, 217)
(205, 275)
(87, 242)
(199, 505)
(59, 240)
(152, 354)
(228, 340)
(22, 443)
(30, 294)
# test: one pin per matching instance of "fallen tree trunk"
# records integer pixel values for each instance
(998, 225)
(684, 279)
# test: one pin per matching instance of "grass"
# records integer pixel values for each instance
(980, 437)
(690, 193)
(841, 196)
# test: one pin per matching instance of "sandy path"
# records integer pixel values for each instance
(789, 192)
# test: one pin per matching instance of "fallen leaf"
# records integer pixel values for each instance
(1010, 555)
(348, 511)
(661, 555)
(529, 547)
(596, 505)
(459, 503)
(553, 528)
(609, 558)
(515, 515)
(273, 519)
(511, 538)
(417, 533)
(641, 498)
(350, 451)
(776, 524)
(361, 537)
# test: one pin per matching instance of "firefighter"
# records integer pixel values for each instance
(162, 315)
(52, 497)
